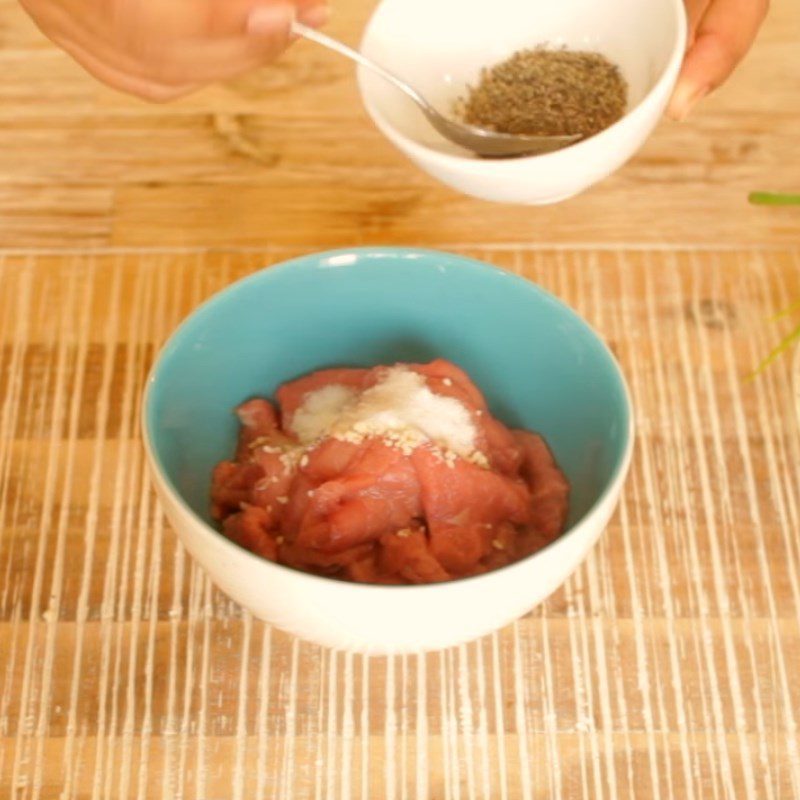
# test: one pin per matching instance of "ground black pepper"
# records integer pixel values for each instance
(547, 92)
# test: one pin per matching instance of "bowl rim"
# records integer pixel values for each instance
(343, 257)
(417, 149)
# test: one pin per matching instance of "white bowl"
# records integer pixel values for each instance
(440, 47)
(539, 364)
(353, 617)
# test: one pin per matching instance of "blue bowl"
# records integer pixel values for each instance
(539, 364)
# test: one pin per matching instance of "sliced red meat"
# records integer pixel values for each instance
(310, 558)
(461, 502)
(407, 553)
(296, 510)
(499, 445)
(365, 570)
(370, 512)
(329, 460)
(271, 491)
(250, 528)
(258, 419)
(377, 492)
(503, 546)
(549, 486)
(459, 548)
(369, 570)
(231, 485)
(258, 416)
(530, 540)
(464, 493)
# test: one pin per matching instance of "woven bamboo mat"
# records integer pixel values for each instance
(666, 667)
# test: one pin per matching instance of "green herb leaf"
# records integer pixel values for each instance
(786, 312)
(773, 199)
(793, 337)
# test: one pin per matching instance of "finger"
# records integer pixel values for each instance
(724, 35)
(261, 38)
(314, 16)
(227, 18)
(209, 59)
(271, 23)
(208, 62)
(695, 9)
(266, 34)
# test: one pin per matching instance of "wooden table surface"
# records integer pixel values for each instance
(667, 666)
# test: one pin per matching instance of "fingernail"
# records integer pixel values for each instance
(316, 16)
(684, 99)
(267, 19)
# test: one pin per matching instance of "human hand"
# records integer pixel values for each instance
(720, 34)
(162, 49)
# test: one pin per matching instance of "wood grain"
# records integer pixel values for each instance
(82, 165)
(665, 667)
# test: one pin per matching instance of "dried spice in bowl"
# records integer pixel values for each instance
(547, 92)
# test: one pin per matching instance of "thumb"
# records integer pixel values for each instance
(724, 36)
(271, 21)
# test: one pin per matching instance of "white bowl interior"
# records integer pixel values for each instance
(440, 47)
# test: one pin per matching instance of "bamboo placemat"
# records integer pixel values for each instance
(666, 666)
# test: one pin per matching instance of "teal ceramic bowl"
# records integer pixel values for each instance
(539, 364)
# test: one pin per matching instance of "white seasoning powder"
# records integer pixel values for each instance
(320, 410)
(400, 407)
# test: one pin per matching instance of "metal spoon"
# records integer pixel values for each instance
(479, 140)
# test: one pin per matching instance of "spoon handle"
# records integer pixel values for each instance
(333, 44)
